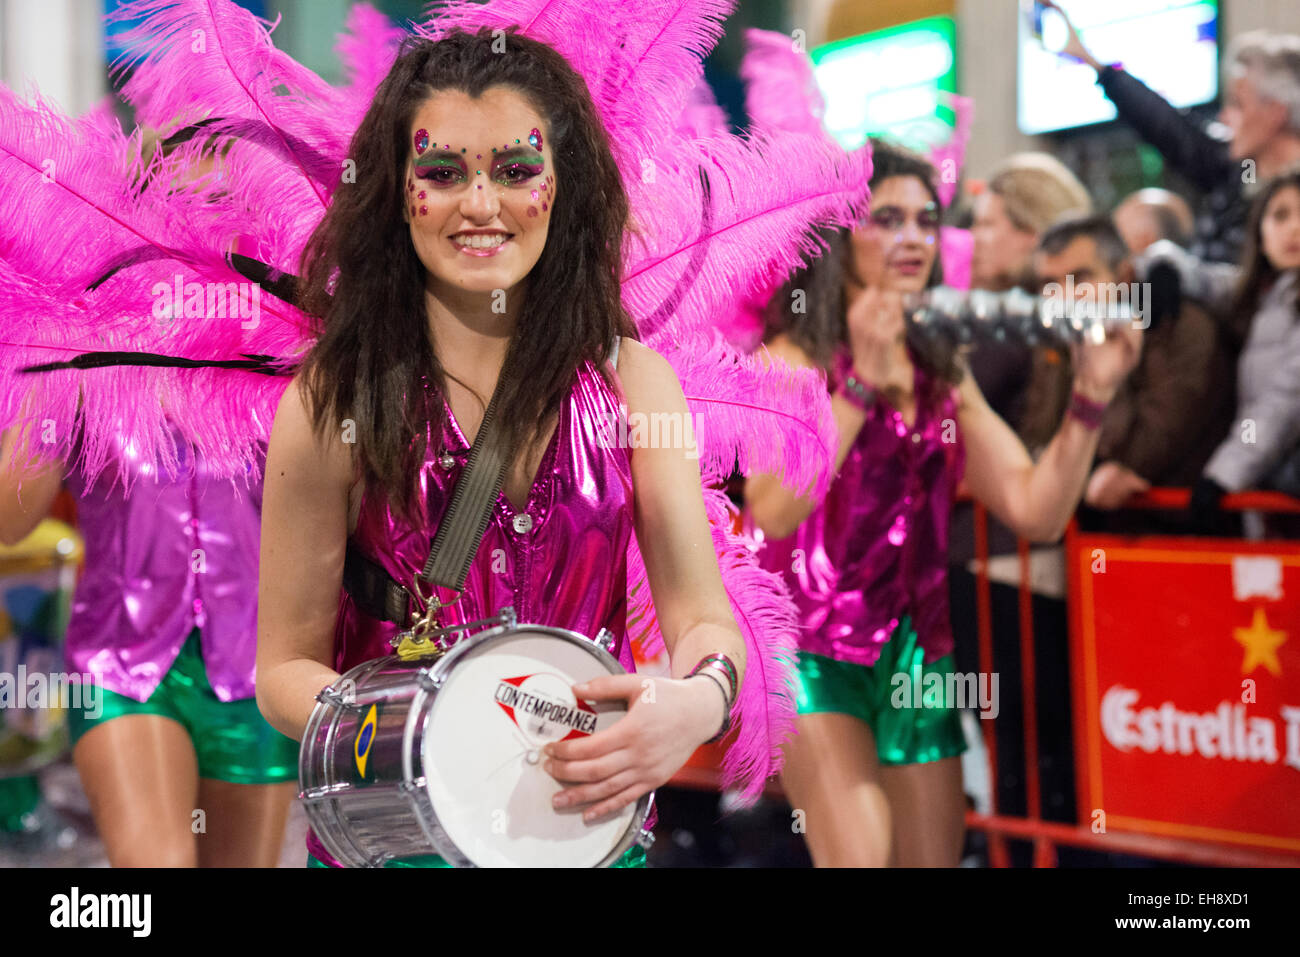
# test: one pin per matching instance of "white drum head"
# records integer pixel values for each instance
(482, 753)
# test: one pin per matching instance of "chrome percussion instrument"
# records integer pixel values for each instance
(442, 755)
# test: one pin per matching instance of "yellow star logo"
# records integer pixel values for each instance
(1261, 643)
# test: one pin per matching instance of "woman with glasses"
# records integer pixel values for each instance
(875, 768)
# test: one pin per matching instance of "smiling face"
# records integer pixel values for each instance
(1279, 230)
(896, 247)
(480, 189)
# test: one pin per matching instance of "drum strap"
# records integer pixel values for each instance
(456, 541)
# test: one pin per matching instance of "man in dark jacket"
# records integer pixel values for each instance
(1262, 109)
(1166, 420)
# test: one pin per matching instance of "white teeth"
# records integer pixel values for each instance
(479, 241)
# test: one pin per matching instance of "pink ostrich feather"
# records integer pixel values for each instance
(367, 50)
(702, 116)
(763, 712)
(199, 59)
(743, 324)
(758, 418)
(950, 158)
(781, 91)
(640, 58)
(956, 247)
(224, 415)
(702, 248)
(93, 284)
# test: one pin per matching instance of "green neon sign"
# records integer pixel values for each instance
(892, 82)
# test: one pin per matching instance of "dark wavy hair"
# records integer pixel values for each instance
(1257, 273)
(365, 285)
(822, 327)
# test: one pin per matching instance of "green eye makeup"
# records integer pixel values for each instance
(510, 166)
(443, 167)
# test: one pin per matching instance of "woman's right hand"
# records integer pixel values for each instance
(876, 327)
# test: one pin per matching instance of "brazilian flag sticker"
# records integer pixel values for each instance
(365, 740)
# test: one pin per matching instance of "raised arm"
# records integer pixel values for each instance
(304, 537)
(1183, 144)
(1036, 499)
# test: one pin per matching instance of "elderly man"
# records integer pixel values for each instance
(1261, 108)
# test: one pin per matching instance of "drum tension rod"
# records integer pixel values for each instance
(332, 697)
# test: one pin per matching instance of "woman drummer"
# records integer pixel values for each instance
(480, 247)
(880, 783)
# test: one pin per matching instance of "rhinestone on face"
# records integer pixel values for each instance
(523, 523)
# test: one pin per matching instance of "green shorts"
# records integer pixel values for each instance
(232, 740)
(633, 857)
(904, 733)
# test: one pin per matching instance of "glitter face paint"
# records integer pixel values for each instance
(512, 167)
(477, 228)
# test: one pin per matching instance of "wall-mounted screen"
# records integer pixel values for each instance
(1171, 45)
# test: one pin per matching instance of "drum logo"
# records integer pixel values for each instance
(365, 740)
(543, 707)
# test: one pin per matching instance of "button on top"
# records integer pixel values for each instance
(916, 436)
(523, 523)
(446, 461)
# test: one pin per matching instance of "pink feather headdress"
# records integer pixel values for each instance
(720, 216)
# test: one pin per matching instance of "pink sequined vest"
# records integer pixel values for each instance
(562, 561)
(876, 548)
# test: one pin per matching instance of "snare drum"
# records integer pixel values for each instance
(443, 756)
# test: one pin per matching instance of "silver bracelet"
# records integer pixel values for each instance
(726, 702)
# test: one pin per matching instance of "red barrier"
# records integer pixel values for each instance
(1143, 838)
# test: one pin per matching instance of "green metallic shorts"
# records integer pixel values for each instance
(904, 735)
(232, 740)
(634, 856)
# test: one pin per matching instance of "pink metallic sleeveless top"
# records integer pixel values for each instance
(876, 548)
(562, 561)
(175, 553)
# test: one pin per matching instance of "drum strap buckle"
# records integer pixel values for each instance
(417, 641)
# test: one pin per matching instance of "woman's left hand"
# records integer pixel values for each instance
(667, 720)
